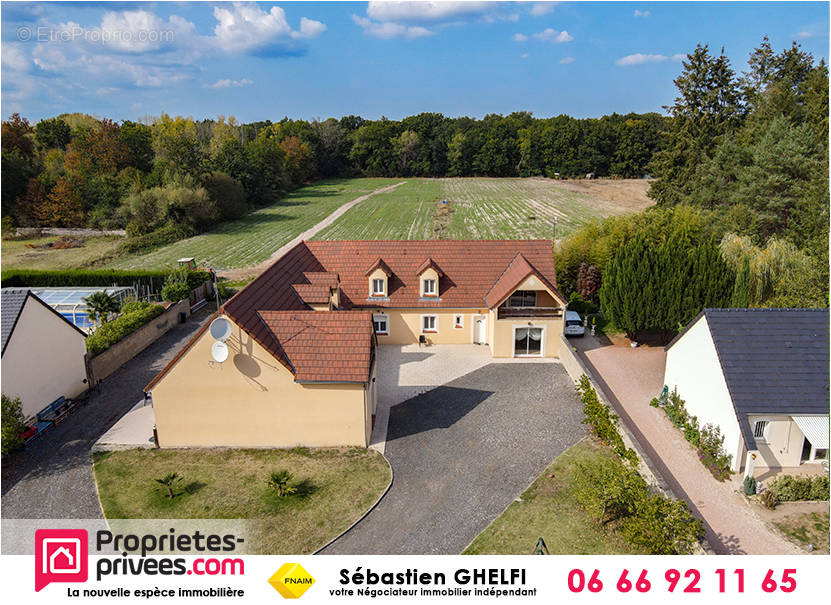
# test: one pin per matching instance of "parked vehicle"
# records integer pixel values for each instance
(574, 324)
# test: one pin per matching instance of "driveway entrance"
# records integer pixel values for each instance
(462, 452)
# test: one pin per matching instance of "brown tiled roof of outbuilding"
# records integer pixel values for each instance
(333, 346)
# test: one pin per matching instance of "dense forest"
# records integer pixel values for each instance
(742, 200)
(172, 177)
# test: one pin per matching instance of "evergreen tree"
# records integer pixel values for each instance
(740, 299)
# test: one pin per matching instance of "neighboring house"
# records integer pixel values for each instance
(43, 352)
(761, 375)
(301, 363)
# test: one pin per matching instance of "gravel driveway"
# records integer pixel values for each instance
(53, 480)
(462, 452)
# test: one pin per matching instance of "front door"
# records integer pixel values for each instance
(528, 342)
(481, 331)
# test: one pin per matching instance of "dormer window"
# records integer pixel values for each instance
(428, 287)
(379, 286)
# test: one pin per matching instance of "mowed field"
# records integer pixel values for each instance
(477, 208)
(254, 237)
(487, 208)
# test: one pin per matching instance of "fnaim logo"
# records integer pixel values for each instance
(60, 556)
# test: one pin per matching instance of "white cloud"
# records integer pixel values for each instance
(14, 59)
(245, 27)
(310, 28)
(425, 12)
(520, 38)
(524, 56)
(538, 9)
(389, 30)
(227, 83)
(643, 14)
(640, 59)
(679, 57)
(552, 35)
(567, 60)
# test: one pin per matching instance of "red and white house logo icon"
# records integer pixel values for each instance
(60, 556)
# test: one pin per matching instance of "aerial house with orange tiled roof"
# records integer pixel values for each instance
(300, 366)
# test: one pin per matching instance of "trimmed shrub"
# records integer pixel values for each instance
(602, 421)
(791, 488)
(176, 286)
(819, 487)
(122, 326)
(749, 486)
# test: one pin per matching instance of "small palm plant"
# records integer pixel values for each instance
(169, 481)
(100, 305)
(279, 480)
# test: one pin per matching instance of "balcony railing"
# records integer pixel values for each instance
(511, 312)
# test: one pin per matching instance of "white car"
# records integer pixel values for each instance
(574, 325)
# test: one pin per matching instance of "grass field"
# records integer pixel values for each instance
(548, 510)
(486, 208)
(477, 208)
(334, 488)
(17, 254)
(254, 237)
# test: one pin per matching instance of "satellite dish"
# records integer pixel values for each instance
(219, 351)
(221, 329)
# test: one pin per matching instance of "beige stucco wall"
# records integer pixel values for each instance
(782, 445)
(503, 339)
(251, 400)
(405, 326)
(44, 359)
(502, 330)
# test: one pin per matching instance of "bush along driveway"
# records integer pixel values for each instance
(462, 452)
(630, 379)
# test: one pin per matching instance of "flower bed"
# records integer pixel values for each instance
(707, 439)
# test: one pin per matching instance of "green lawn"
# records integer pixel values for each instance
(480, 208)
(334, 488)
(254, 237)
(548, 510)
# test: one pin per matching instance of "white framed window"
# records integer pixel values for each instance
(379, 286)
(429, 287)
(760, 429)
(523, 298)
(458, 321)
(381, 323)
(429, 324)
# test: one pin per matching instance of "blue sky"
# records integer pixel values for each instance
(266, 60)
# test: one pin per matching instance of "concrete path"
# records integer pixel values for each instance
(254, 270)
(631, 378)
(462, 452)
(133, 430)
(53, 479)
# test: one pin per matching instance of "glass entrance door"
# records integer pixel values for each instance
(528, 342)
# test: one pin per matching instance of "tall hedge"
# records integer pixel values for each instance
(25, 278)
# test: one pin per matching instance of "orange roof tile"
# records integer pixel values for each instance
(427, 264)
(514, 275)
(312, 293)
(471, 271)
(333, 346)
